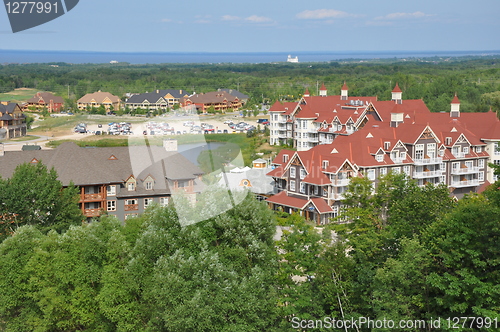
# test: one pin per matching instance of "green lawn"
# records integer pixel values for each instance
(18, 95)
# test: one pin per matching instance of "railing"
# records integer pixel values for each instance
(93, 197)
(131, 207)
(92, 212)
(398, 160)
(466, 170)
(313, 139)
(459, 154)
(428, 174)
(466, 183)
(340, 182)
(428, 161)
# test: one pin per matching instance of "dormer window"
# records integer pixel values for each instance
(148, 185)
(387, 145)
(131, 183)
(285, 158)
(379, 157)
(325, 164)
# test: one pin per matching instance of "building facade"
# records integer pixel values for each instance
(399, 136)
(44, 100)
(120, 181)
(97, 99)
(12, 121)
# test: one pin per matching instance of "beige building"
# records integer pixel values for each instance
(97, 99)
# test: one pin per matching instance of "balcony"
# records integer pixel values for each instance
(339, 197)
(312, 130)
(465, 183)
(398, 160)
(313, 139)
(93, 197)
(340, 182)
(91, 213)
(465, 170)
(459, 154)
(428, 174)
(428, 161)
(283, 136)
(131, 207)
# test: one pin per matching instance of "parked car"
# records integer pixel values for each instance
(262, 120)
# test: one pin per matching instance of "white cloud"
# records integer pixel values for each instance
(319, 14)
(230, 18)
(166, 20)
(258, 19)
(203, 21)
(398, 16)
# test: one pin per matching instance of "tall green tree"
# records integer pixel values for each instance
(34, 196)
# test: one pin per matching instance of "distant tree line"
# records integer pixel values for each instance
(476, 81)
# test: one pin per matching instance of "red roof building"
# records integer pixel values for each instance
(400, 136)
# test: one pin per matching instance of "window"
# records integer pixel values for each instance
(147, 202)
(396, 170)
(479, 149)
(148, 185)
(182, 184)
(131, 186)
(325, 164)
(387, 145)
(442, 179)
(441, 152)
(379, 157)
(111, 205)
(497, 149)
(111, 191)
(292, 185)
(292, 172)
(455, 166)
(302, 187)
(442, 167)
(371, 174)
(285, 158)
(335, 211)
(455, 150)
(316, 190)
(466, 150)
(130, 201)
(480, 163)
(302, 173)
(431, 150)
(419, 151)
(406, 170)
(325, 192)
(383, 171)
(468, 164)
(448, 140)
(163, 201)
(402, 155)
(480, 176)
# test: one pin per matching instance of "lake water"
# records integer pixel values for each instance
(78, 57)
(192, 151)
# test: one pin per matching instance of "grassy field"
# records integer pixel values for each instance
(18, 95)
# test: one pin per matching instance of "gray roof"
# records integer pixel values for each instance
(151, 97)
(235, 93)
(110, 165)
(173, 92)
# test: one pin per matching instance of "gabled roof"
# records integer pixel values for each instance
(99, 97)
(46, 98)
(151, 97)
(92, 166)
(235, 93)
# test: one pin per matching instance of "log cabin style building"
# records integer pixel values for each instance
(12, 121)
(401, 136)
(120, 181)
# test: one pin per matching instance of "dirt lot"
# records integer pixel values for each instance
(138, 126)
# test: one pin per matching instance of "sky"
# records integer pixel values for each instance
(265, 26)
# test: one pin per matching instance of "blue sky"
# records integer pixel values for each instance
(265, 26)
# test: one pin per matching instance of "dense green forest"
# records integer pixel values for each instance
(410, 255)
(475, 80)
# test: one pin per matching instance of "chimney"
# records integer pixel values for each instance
(397, 95)
(170, 145)
(455, 107)
(322, 90)
(344, 92)
(306, 94)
